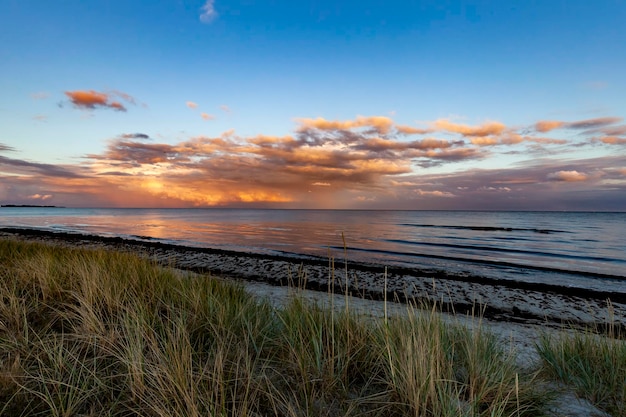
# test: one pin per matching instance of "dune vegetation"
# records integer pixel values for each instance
(95, 332)
(593, 364)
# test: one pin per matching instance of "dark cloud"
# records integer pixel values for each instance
(137, 152)
(6, 148)
(593, 123)
(115, 174)
(548, 125)
(19, 166)
(134, 136)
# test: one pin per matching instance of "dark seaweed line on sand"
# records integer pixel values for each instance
(354, 266)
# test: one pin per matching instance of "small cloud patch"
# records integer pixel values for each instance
(568, 176)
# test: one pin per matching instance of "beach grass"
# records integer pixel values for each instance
(95, 332)
(592, 362)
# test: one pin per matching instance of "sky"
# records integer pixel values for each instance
(419, 105)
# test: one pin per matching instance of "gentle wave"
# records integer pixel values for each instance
(479, 248)
(468, 261)
(486, 228)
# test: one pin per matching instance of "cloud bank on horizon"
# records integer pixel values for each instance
(366, 162)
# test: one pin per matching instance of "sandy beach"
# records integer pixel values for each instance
(516, 312)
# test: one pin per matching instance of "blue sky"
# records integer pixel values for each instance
(369, 104)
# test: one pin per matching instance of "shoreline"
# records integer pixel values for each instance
(498, 299)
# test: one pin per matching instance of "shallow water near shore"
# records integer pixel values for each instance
(565, 248)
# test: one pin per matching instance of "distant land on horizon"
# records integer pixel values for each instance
(28, 205)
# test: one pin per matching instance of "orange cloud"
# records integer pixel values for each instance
(380, 123)
(435, 193)
(40, 197)
(489, 128)
(484, 141)
(409, 130)
(191, 104)
(206, 116)
(568, 176)
(613, 140)
(90, 99)
(548, 125)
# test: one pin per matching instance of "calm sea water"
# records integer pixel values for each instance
(567, 248)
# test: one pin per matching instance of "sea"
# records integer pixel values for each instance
(576, 249)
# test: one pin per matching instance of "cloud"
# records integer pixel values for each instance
(615, 130)
(593, 123)
(90, 99)
(409, 130)
(351, 155)
(611, 140)
(366, 162)
(225, 108)
(494, 189)
(544, 126)
(191, 104)
(40, 197)
(6, 148)
(21, 167)
(435, 193)
(567, 176)
(486, 129)
(548, 125)
(206, 116)
(207, 12)
(135, 136)
(381, 124)
(131, 153)
(41, 95)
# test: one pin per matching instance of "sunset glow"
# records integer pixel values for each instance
(358, 105)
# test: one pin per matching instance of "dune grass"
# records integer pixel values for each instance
(592, 362)
(94, 332)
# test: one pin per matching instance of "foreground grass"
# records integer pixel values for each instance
(594, 364)
(85, 332)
